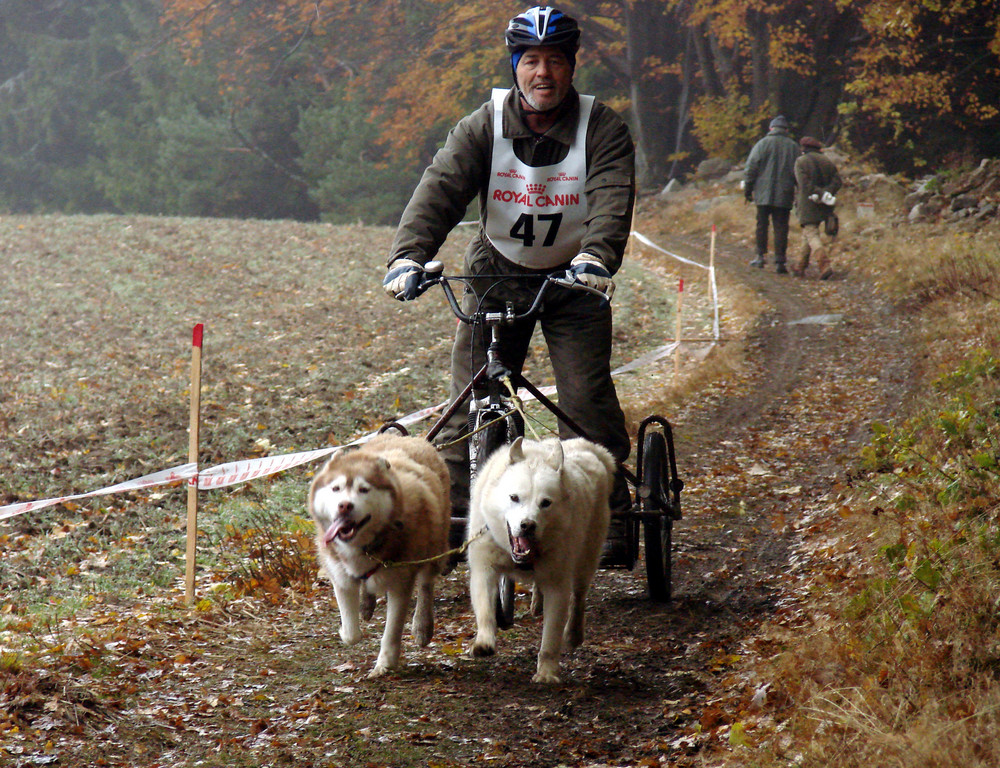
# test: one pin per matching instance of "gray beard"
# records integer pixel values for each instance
(531, 102)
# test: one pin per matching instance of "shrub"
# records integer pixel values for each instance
(726, 126)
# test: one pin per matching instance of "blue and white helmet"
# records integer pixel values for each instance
(542, 25)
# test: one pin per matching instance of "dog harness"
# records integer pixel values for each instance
(536, 217)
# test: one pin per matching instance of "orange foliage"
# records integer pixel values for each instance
(727, 126)
(428, 62)
(927, 60)
(424, 63)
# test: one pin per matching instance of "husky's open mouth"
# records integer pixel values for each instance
(345, 528)
(523, 550)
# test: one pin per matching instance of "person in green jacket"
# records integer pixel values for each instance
(817, 182)
(769, 182)
(554, 172)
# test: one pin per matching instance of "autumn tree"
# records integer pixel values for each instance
(756, 59)
(296, 107)
(430, 61)
(904, 79)
(59, 66)
(98, 113)
(926, 82)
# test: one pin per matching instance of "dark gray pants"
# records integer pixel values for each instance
(577, 328)
(779, 217)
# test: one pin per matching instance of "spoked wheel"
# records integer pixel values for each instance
(658, 524)
(503, 430)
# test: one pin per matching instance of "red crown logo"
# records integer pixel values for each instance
(536, 189)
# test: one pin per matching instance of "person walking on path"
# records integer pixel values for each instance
(554, 172)
(769, 182)
(817, 182)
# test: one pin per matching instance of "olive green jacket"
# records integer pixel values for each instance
(770, 170)
(461, 170)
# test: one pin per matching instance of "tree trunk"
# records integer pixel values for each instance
(760, 62)
(707, 60)
(652, 37)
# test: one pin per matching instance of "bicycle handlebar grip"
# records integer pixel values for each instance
(569, 280)
(428, 278)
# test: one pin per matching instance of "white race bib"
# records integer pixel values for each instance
(536, 217)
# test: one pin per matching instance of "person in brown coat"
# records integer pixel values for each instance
(817, 182)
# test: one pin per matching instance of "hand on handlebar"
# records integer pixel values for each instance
(590, 271)
(403, 280)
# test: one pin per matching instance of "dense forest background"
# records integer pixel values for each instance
(330, 109)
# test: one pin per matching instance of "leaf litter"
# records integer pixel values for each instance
(252, 680)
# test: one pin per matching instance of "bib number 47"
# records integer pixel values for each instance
(525, 226)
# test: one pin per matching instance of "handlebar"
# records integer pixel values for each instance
(433, 274)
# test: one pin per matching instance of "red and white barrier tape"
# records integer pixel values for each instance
(711, 275)
(163, 477)
(646, 241)
(236, 472)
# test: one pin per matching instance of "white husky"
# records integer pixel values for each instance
(539, 510)
(382, 515)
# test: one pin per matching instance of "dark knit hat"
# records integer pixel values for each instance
(779, 123)
(808, 142)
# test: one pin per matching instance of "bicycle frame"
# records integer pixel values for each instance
(494, 370)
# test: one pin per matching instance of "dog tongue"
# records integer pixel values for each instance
(339, 529)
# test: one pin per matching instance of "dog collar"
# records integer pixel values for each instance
(367, 575)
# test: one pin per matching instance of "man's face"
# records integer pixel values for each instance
(544, 76)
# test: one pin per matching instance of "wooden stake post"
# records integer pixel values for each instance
(192, 495)
(711, 263)
(677, 349)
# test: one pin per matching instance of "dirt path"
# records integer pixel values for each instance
(761, 454)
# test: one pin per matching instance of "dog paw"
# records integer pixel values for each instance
(350, 637)
(378, 671)
(422, 635)
(573, 638)
(481, 650)
(546, 678)
(537, 607)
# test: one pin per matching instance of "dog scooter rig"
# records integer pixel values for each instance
(497, 418)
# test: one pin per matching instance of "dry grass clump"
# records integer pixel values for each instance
(268, 558)
(894, 659)
(694, 211)
(918, 265)
(898, 662)
(901, 667)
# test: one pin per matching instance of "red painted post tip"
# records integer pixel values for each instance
(680, 285)
(199, 330)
